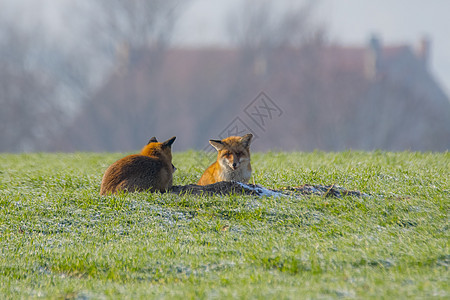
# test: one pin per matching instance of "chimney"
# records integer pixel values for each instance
(375, 45)
(373, 57)
(423, 50)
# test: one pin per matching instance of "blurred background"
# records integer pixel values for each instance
(106, 75)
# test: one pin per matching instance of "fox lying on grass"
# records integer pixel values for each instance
(151, 170)
(233, 161)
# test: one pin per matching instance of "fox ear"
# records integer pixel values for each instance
(152, 140)
(169, 142)
(247, 139)
(217, 144)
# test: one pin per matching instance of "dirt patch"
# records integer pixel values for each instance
(219, 188)
(233, 187)
(324, 191)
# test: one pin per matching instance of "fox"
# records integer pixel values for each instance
(233, 161)
(151, 170)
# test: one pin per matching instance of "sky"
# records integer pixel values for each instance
(348, 22)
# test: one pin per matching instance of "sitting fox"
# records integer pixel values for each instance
(233, 161)
(151, 170)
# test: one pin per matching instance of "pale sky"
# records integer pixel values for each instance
(349, 22)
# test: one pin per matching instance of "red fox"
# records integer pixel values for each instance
(233, 161)
(151, 170)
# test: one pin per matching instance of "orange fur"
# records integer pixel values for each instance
(233, 161)
(151, 170)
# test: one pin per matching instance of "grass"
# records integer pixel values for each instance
(60, 239)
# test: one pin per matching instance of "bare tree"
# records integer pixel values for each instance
(136, 33)
(261, 25)
(28, 114)
(44, 79)
(138, 22)
(265, 34)
(42, 83)
(128, 26)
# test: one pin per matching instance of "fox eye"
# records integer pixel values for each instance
(239, 153)
(227, 154)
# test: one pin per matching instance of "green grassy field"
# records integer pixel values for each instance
(60, 239)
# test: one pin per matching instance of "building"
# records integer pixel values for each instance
(330, 97)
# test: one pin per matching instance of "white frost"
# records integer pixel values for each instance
(261, 191)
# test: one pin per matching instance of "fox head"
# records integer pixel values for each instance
(163, 150)
(233, 151)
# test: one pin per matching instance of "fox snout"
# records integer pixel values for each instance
(234, 163)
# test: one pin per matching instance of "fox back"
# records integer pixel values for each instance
(150, 170)
(233, 161)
